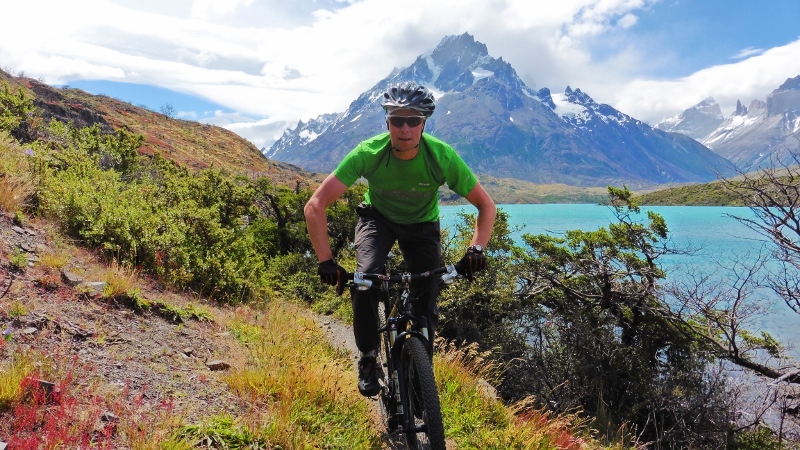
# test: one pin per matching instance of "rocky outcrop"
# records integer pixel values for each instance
(697, 121)
(762, 134)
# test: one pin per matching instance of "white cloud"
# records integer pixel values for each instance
(748, 52)
(627, 21)
(280, 62)
(752, 78)
(209, 9)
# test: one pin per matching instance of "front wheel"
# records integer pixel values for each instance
(423, 423)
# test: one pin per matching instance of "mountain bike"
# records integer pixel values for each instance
(408, 397)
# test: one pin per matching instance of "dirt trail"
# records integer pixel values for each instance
(340, 335)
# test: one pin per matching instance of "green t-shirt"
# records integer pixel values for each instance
(406, 191)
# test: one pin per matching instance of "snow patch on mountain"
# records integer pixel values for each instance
(308, 135)
(567, 109)
(579, 110)
(731, 127)
(481, 73)
(435, 69)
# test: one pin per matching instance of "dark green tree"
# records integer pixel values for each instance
(15, 109)
(484, 311)
(600, 338)
(280, 227)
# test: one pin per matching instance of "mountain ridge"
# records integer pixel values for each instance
(695, 122)
(753, 137)
(503, 128)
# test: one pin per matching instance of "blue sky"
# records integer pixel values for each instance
(703, 33)
(259, 66)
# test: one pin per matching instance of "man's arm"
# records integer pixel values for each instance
(486, 215)
(316, 219)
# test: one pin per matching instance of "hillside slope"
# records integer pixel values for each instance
(119, 362)
(191, 144)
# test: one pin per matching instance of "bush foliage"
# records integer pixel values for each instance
(227, 237)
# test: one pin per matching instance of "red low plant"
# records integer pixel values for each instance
(50, 416)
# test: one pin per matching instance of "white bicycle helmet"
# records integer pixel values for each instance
(409, 95)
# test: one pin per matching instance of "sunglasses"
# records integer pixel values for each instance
(399, 121)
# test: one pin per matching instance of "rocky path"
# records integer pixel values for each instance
(340, 335)
(155, 358)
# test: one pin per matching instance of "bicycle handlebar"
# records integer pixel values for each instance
(363, 280)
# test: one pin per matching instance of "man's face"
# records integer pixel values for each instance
(405, 129)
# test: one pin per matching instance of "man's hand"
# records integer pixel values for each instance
(331, 273)
(474, 261)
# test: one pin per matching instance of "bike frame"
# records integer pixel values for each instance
(400, 325)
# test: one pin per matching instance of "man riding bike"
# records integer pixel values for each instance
(404, 169)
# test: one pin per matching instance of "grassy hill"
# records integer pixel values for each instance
(508, 191)
(191, 144)
(512, 191)
(708, 194)
(776, 185)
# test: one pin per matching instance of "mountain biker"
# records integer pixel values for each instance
(404, 168)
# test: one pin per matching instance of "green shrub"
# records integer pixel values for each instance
(760, 438)
(14, 108)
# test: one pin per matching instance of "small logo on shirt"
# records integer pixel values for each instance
(424, 184)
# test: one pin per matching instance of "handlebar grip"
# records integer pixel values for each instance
(366, 278)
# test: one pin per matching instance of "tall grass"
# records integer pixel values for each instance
(475, 419)
(119, 278)
(306, 386)
(16, 184)
(12, 372)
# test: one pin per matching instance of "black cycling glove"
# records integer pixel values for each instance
(331, 273)
(472, 262)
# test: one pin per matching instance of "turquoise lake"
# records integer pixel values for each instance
(710, 231)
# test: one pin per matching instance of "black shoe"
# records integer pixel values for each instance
(368, 377)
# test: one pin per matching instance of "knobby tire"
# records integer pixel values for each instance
(386, 400)
(424, 429)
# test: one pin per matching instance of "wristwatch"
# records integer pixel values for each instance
(475, 248)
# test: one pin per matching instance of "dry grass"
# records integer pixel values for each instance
(54, 259)
(51, 261)
(16, 183)
(120, 279)
(475, 418)
(302, 383)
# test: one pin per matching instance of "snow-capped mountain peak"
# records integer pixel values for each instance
(763, 133)
(502, 127)
(697, 121)
(579, 109)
